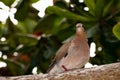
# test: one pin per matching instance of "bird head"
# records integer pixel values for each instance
(79, 29)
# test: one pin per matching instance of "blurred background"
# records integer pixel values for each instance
(31, 31)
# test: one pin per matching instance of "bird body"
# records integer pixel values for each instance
(74, 54)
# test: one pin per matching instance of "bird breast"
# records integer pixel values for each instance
(76, 58)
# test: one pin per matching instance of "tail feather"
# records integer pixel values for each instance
(51, 66)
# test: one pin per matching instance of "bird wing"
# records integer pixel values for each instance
(62, 52)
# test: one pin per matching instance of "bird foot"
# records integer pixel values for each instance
(64, 68)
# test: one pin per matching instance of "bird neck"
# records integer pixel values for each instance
(80, 37)
(81, 40)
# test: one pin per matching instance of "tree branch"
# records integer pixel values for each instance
(103, 72)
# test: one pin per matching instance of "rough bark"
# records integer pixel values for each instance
(103, 72)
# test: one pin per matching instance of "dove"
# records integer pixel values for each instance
(73, 54)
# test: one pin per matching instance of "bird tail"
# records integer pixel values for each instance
(51, 66)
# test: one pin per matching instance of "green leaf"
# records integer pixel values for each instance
(27, 39)
(107, 8)
(68, 14)
(46, 24)
(26, 26)
(116, 30)
(7, 2)
(118, 4)
(99, 8)
(61, 4)
(33, 1)
(22, 10)
(91, 5)
(83, 12)
(60, 24)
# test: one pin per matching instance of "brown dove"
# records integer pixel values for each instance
(72, 55)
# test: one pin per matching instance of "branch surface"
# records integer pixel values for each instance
(103, 72)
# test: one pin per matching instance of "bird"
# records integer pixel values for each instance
(73, 54)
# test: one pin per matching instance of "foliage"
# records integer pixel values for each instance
(37, 39)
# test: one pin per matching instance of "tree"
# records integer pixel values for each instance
(36, 39)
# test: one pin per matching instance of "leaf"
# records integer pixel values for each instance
(33, 1)
(65, 13)
(99, 8)
(118, 4)
(107, 8)
(91, 5)
(22, 10)
(60, 24)
(27, 39)
(116, 30)
(7, 2)
(26, 26)
(3, 29)
(84, 13)
(60, 3)
(46, 24)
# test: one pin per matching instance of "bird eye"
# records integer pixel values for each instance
(78, 25)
